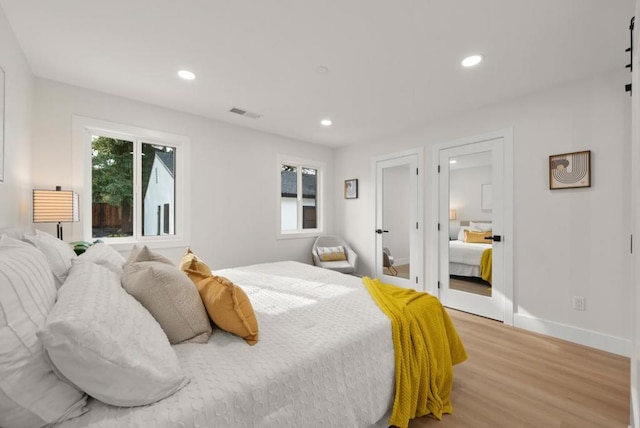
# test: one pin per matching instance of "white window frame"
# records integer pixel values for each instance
(299, 164)
(82, 130)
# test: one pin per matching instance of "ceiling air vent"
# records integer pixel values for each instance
(241, 112)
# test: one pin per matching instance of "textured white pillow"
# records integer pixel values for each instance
(13, 232)
(170, 296)
(31, 395)
(104, 342)
(58, 253)
(103, 254)
(480, 227)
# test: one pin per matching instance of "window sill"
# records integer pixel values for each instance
(299, 235)
(126, 244)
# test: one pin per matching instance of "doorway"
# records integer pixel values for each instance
(475, 220)
(399, 235)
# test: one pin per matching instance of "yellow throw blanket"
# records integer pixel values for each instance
(485, 264)
(426, 346)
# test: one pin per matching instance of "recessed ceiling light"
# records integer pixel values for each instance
(472, 60)
(453, 161)
(326, 122)
(186, 74)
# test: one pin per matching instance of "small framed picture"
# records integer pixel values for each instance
(351, 188)
(570, 170)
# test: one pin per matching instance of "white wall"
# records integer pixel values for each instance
(465, 192)
(566, 243)
(15, 192)
(233, 215)
(465, 195)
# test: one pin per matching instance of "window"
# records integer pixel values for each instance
(135, 179)
(299, 198)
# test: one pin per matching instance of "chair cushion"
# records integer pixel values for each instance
(331, 254)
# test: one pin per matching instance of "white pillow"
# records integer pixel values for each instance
(480, 227)
(31, 395)
(58, 253)
(461, 232)
(104, 255)
(170, 296)
(103, 341)
(13, 232)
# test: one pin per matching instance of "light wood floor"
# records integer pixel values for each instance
(470, 285)
(401, 270)
(514, 378)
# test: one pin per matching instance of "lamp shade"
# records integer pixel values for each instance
(54, 206)
(453, 215)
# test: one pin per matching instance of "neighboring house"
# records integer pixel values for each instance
(159, 196)
(289, 205)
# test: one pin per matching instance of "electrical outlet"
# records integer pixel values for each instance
(579, 303)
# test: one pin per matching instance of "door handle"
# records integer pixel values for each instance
(494, 238)
(380, 231)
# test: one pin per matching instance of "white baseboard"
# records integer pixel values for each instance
(593, 339)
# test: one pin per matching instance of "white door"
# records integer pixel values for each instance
(399, 200)
(471, 219)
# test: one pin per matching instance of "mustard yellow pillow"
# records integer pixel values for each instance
(477, 237)
(331, 254)
(192, 262)
(231, 308)
(226, 303)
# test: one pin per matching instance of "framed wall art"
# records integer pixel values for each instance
(486, 197)
(570, 170)
(351, 188)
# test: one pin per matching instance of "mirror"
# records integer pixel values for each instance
(396, 208)
(470, 223)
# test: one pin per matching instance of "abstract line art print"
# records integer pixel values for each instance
(570, 170)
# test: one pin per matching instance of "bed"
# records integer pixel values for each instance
(325, 358)
(325, 354)
(465, 258)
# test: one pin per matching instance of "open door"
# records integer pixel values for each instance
(398, 217)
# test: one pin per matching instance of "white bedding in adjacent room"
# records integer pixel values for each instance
(324, 358)
(464, 258)
(466, 253)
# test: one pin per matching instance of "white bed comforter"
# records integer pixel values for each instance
(324, 359)
(466, 253)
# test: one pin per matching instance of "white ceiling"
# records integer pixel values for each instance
(393, 64)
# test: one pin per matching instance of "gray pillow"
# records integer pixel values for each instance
(169, 295)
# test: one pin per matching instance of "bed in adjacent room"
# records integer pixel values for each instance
(471, 254)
